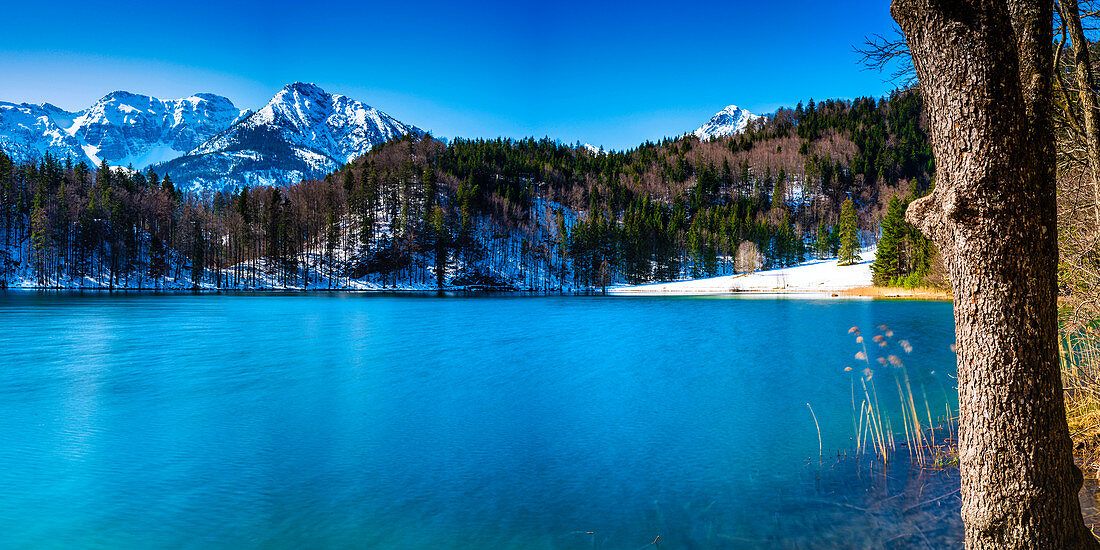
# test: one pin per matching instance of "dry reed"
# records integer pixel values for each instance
(874, 432)
(1079, 350)
(1080, 362)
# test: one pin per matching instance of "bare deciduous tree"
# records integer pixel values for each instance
(749, 258)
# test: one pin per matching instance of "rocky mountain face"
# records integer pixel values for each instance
(303, 132)
(204, 141)
(28, 132)
(123, 128)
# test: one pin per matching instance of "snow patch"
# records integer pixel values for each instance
(159, 152)
(810, 276)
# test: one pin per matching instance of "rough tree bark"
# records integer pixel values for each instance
(985, 73)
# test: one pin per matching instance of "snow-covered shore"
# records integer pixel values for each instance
(811, 276)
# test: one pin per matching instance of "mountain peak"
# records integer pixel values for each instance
(206, 96)
(120, 95)
(729, 121)
(302, 132)
(304, 88)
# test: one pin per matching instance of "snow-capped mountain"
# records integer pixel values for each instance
(122, 128)
(28, 132)
(302, 132)
(204, 141)
(726, 122)
(125, 128)
(593, 149)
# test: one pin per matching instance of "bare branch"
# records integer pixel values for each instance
(888, 54)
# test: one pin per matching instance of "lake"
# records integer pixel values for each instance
(381, 421)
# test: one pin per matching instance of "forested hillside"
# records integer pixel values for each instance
(519, 214)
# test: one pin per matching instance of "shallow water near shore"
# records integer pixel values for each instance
(350, 420)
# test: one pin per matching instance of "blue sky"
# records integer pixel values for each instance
(611, 74)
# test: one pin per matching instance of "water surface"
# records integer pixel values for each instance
(373, 421)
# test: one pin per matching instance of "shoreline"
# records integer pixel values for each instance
(861, 292)
(864, 292)
(900, 293)
(147, 290)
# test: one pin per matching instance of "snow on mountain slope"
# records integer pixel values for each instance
(28, 132)
(204, 141)
(60, 116)
(122, 128)
(126, 128)
(726, 122)
(593, 149)
(302, 132)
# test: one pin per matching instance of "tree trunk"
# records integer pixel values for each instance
(1090, 109)
(985, 70)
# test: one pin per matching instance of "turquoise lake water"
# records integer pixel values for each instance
(379, 421)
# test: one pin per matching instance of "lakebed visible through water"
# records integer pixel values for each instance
(351, 420)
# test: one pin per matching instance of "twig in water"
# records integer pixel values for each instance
(818, 426)
(918, 505)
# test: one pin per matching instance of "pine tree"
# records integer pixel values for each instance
(170, 188)
(823, 243)
(442, 240)
(888, 261)
(849, 234)
(40, 238)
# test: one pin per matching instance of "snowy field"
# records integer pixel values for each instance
(811, 276)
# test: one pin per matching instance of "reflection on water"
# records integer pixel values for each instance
(289, 421)
(858, 504)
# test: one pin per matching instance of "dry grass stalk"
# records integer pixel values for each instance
(920, 439)
(1080, 362)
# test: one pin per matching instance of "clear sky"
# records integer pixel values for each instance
(607, 73)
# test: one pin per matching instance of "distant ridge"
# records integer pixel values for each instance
(203, 141)
(122, 128)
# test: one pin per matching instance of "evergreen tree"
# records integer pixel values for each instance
(441, 238)
(888, 261)
(904, 256)
(849, 233)
(40, 238)
(823, 242)
(170, 188)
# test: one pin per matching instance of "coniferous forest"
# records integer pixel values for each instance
(531, 214)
